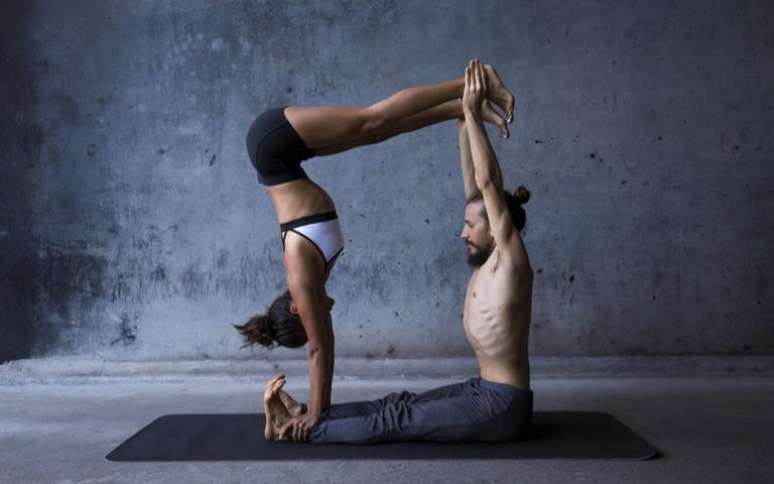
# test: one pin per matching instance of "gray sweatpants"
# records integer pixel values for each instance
(474, 410)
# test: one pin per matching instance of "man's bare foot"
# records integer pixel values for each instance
(276, 413)
(293, 407)
(498, 93)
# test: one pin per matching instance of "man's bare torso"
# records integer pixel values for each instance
(496, 318)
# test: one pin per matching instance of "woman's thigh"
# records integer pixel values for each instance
(325, 127)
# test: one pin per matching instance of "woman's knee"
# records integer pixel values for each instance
(375, 122)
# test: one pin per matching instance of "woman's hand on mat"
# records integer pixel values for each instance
(298, 428)
(474, 94)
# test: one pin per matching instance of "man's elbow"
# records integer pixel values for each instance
(484, 181)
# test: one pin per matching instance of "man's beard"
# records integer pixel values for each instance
(478, 256)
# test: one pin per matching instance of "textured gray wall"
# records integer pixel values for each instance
(20, 140)
(133, 226)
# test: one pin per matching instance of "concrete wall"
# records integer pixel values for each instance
(20, 142)
(133, 226)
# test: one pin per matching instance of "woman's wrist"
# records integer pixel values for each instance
(315, 411)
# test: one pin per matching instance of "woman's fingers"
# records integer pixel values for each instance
(291, 430)
(283, 431)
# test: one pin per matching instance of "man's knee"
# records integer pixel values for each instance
(396, 397)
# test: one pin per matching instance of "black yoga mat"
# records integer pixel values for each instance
(214, 437)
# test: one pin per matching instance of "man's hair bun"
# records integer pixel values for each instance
(521, 195)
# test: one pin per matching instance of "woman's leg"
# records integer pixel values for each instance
(442, 112)
(323, 127)
(437, 114)
(335, 129)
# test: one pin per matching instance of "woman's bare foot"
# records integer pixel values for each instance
(276, 413)
(498, 93)
(293, 407)
(493, 117)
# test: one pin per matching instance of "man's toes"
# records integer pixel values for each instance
(276, 384)
(279, 384)
(275, 391)
(271, 393)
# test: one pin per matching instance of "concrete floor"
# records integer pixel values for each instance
(711, 427)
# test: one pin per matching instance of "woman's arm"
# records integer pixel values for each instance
(331, 359)
(315, 319)
(306, 276)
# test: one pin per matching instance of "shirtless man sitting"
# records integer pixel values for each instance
(496, 405)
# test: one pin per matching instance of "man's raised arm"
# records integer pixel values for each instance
(466, 162)
(488, 176)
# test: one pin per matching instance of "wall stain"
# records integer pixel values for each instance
(68, 287)
(127, 332)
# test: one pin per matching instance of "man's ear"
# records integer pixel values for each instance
(293, 308)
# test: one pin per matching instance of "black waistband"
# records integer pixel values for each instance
(309, 219)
